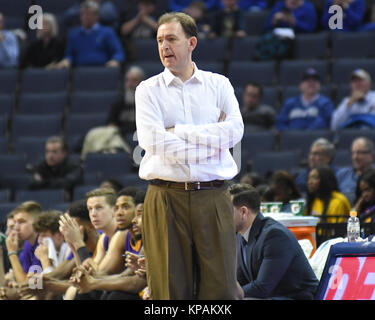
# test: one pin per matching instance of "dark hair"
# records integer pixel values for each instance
(286, 181)
(249, 198)
(78, 209)
(369, 177)
(116, 184)
(61, 140)
(129, 191)
(140, 197)
(237, 188)
(48, 221)
(327, 184)
(256, 85)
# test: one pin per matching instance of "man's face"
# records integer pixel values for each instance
(293, 4)
(238, 217)
(10, 226)
(317, 157)
(124, 211)
(101, 213)
(229, 4)
(358, 84)
(57, 238)
(310, 86)
(88, 18)
(136, 229)
(251, 97)
(24, 225)
(362, 158)
(367, 192)
(54, 154)
(174, 47)
(132, 80)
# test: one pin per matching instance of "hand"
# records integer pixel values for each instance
(12, 242)
(131, 261)
(41, 252)
(7, 293)
(73, 233)
(84, 281)
(356, 96)
(112, 64)
(279, 16)
(222, 116)
(65, 63)
(37, 177)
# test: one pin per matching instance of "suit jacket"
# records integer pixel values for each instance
(277, 266)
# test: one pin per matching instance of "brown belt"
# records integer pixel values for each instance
(189, 186)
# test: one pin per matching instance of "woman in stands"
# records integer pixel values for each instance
(365, 196)
(323, 198)
(47, 49)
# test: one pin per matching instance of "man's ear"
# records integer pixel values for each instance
(244, 211)
(193, 43)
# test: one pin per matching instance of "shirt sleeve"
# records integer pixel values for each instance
(340, 115)
(219, 135)
(10, 50)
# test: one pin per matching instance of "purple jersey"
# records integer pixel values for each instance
(136, 249)
(27, 257)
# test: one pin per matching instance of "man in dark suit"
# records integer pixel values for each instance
(270, 261)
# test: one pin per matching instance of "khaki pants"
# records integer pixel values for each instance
(189, 242)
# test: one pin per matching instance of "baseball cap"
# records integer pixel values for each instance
(311, 73)
(361, 74)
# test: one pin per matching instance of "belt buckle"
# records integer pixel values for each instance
(193, 183)
(186, 186)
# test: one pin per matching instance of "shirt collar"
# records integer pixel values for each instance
(246, 234)
(93, 28)
(169, 76)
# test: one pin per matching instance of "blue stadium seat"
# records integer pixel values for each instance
(291, 91)
(243, 48)
(42, 103)
(256, 21)
(291, 71)
(4, 195)
(63, 207)
(96, 79)
(6, 104)
(347, 136)
(146, 50)
(347, 44)
(3, 124)
(241, 72)
(311, 45)
(301, 140)
(56, 6)
(5, 209)
(36, 125)
(47, 198)
(32, 147)
(93, 102)
(3, 145)
(42, 80)
(17, 8)
(210, 50)
(216, 67)
(133, 180)
(267, 162)
(12, 164)
(80, 191)
(109, 165)
(343, 90)
(13, 22)
(342, 69)
(342, 158)
(8, 80)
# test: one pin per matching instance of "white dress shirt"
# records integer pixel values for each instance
(198, 150)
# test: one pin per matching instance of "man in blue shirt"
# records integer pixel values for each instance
(9, 49)
(92, 44)
(309, 110)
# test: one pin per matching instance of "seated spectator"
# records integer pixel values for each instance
(309, 110)
(52, 249)
(256, 115)
(92, 44)
(112, 183)
(270, 261)
(9, 229)
(122, 112)
(107, 14)
(252, 5)
(321, 152)
(229, 21)
(300, 15)
(353, 14)
(363, 155)
(47, 49)
(57, 170)
(365, 196)
(283, 189)
(24, 216)
(251, 178)
(323, 197)
(180, 5)
(9, 48)
(198, 11)
(143, 24)
(358, 109)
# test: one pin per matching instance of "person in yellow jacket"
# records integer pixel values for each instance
(323, 197)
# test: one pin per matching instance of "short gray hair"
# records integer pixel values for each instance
(138, 70)
(58, 139)
(54, 26)
(327, 146)
(92, 5)
(368, 143)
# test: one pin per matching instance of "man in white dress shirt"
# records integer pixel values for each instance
(187, 120)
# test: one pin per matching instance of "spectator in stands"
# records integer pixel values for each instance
(180, 5)
(112, 183)
(122, 112)
(300, 15)
(358, 109)
(52, 249)
(252, 5)
(309, 110)
(24, 216)
(353, 14)
(9, 48)
(108, 15)
(10, 228)
(363, 155)
(198, 11)
(92, 44)
(143, 24)
(283, 189)
(251, 178)
(270, 261)
(323, 197)
(47, 49)
(57, 170)
(365, 196)
(229, 21)
(321, 152)
(256, 115)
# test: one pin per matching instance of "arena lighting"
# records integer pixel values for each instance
(349, 273)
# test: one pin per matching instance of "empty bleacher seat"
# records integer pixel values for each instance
(93, 102)
(31, 147)
(353, 44)
(12, 164)
(56, 6)
(5, 209)
(80, 191)
(3, 145)
(3, 124)
(347, 136)
(311, 46)
(291, 71)
(36, 125)
(342, 69)
(216, 67)
(96, 79)
(240, 72)
(133, 180)
(210, 50)
(42, 103)
(8, 80)
(146, 50)
(109, 165)
(4, 195)
(37, 80)
(16, 181)
(6, 104)
(47, 198)
(17, 8)
(256, 21)
(243, 48)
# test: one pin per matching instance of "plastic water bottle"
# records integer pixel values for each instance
(353, 227)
